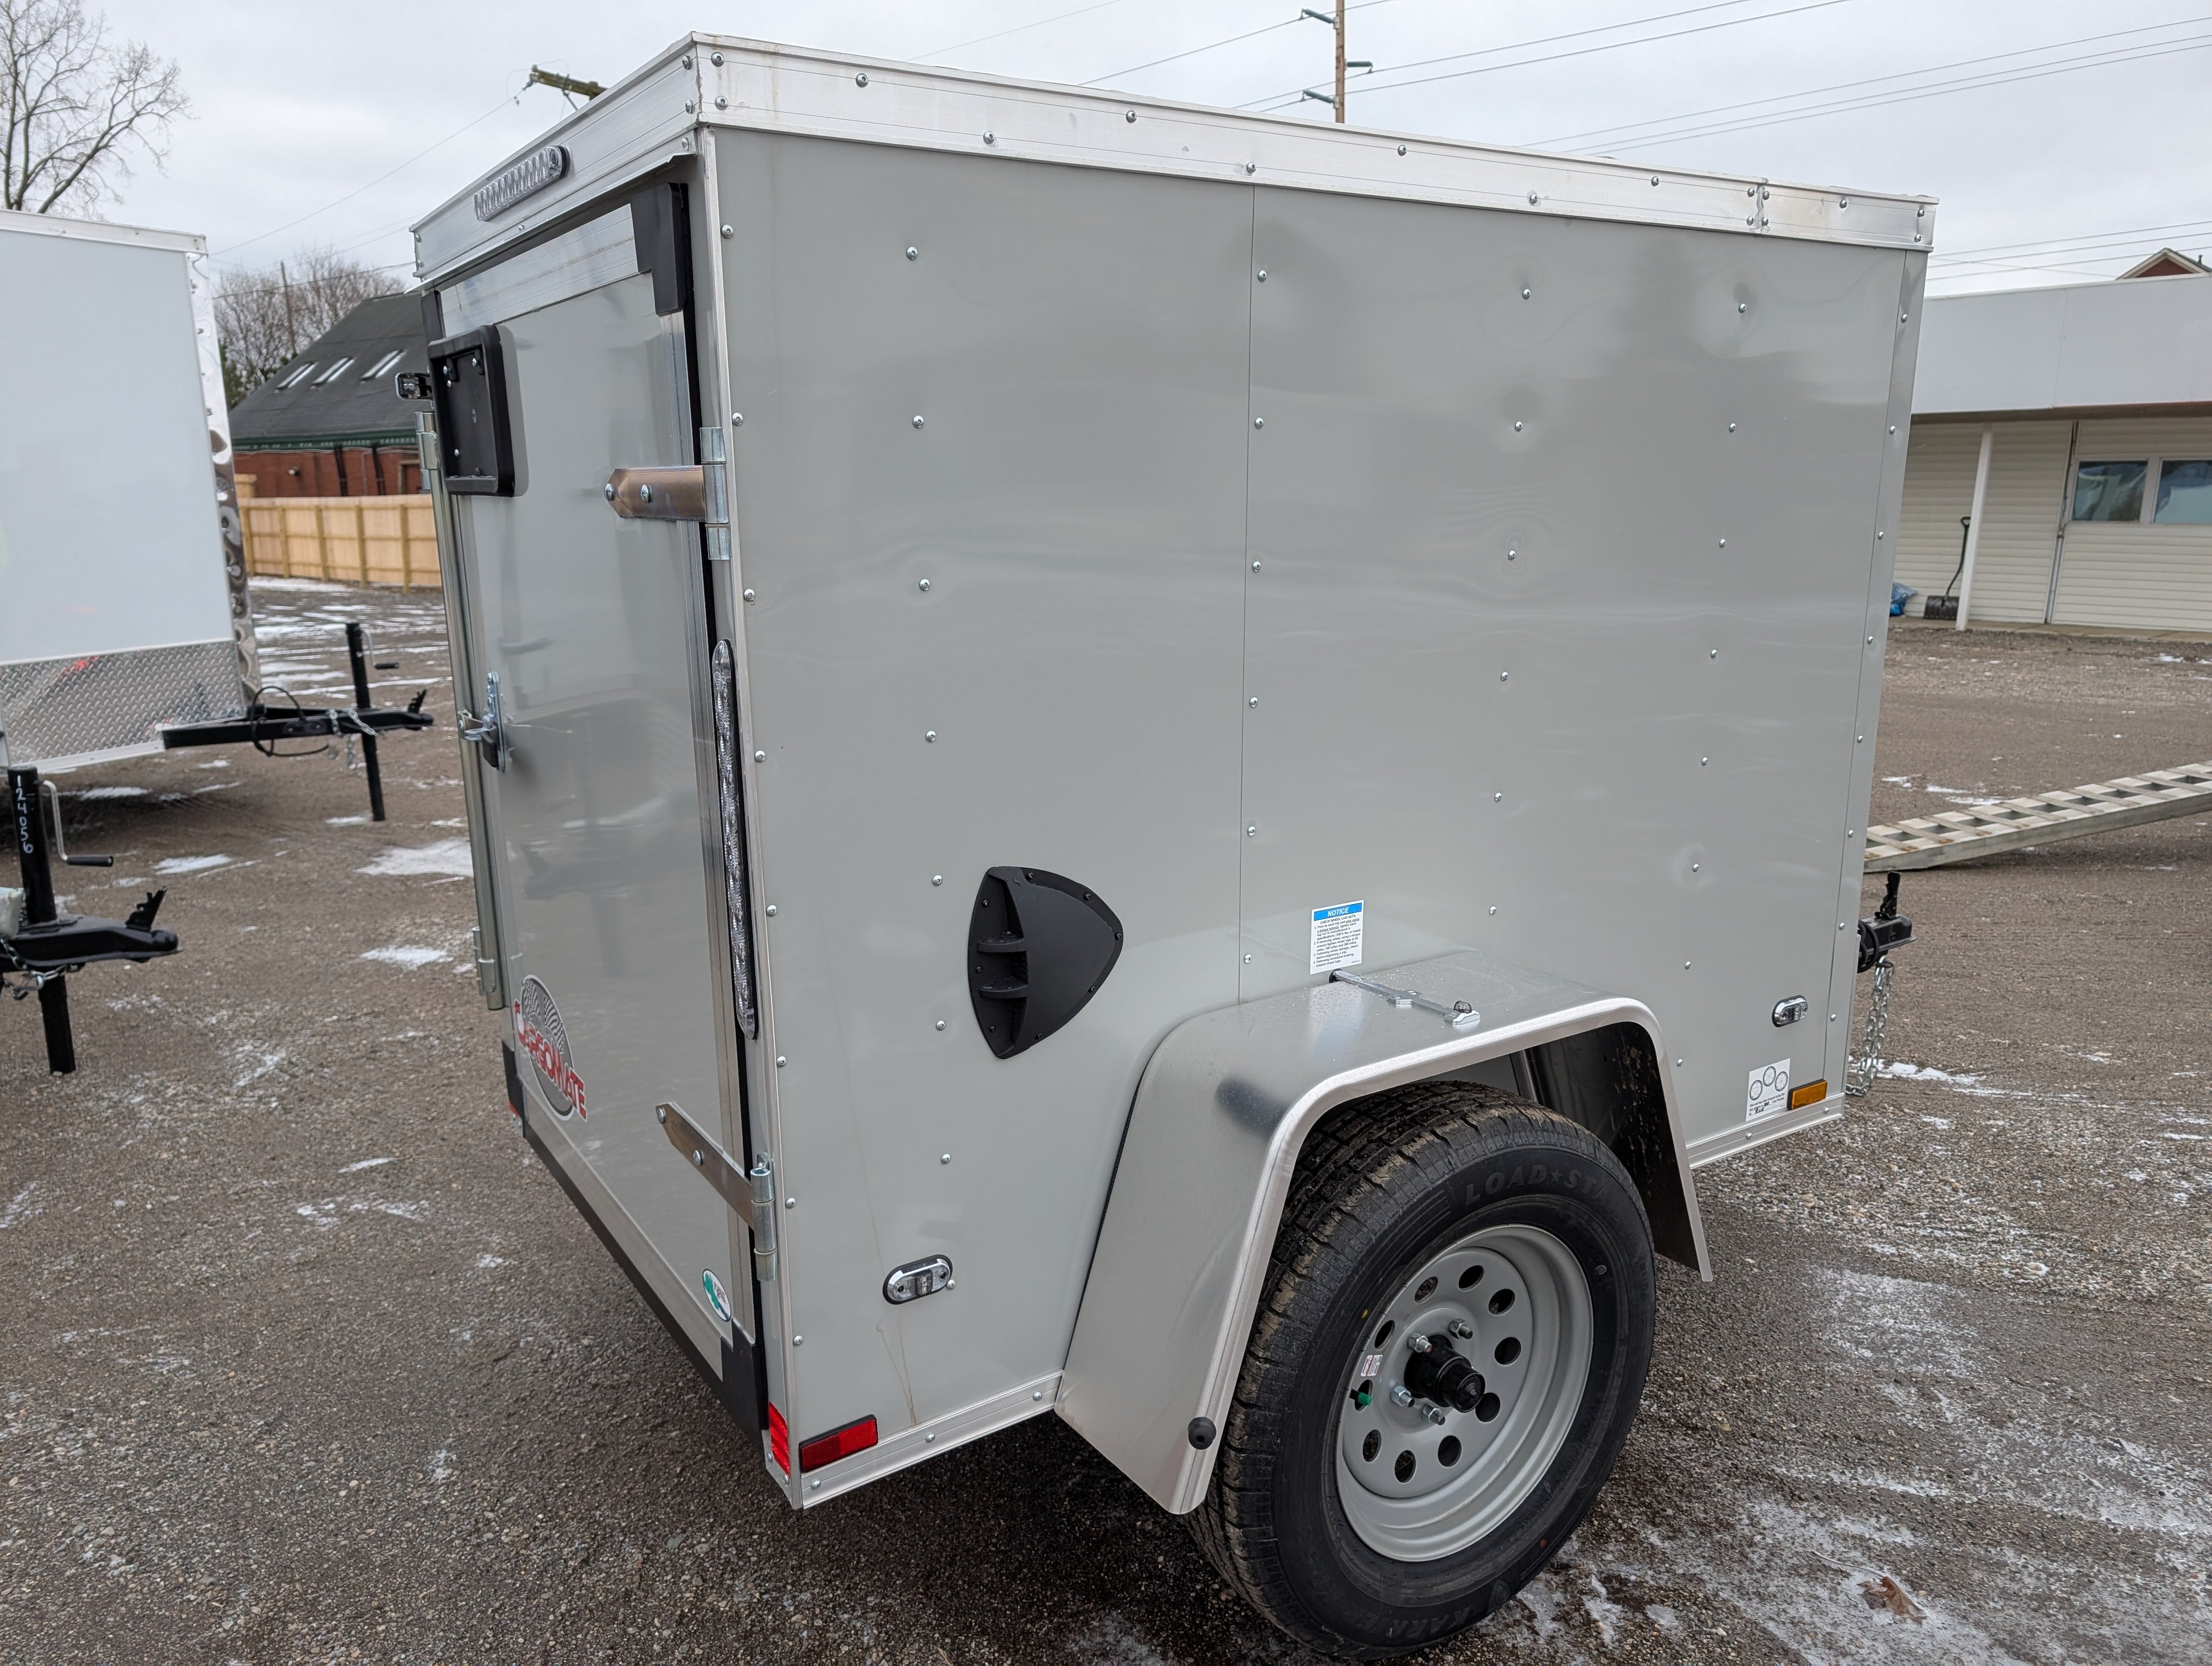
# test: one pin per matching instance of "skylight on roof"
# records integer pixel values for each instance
(334, 372)
(298, 376)
(379, 367)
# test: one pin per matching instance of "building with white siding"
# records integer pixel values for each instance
(2074, 425)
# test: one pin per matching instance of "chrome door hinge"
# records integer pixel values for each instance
(761, 1177)
(487, 968)
(751, 1193)
(699, 492)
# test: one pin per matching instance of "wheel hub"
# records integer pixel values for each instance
(1465, 1386)
(1436, 1371)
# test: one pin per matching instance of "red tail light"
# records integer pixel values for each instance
(837, 1444)
(779, 1439)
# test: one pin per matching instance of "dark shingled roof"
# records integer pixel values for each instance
(352, 408)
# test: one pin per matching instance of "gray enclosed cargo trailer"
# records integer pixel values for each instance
(974, 597)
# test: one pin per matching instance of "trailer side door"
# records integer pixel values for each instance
(590, 642)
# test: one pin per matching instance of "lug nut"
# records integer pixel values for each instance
(1401, 1395)
(1461, 1329)
(1418, 1343)
(1434, 1414)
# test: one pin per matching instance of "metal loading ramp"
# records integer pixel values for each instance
(1961, 836)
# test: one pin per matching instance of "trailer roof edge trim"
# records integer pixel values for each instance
(100, 231)
(649, 116)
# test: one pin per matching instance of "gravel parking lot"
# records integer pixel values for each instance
(305, 1357)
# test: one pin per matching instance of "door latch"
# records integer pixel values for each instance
(486, 730)
(699, 492)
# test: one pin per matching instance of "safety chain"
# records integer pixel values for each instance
(1860, 1072)
(30, 981)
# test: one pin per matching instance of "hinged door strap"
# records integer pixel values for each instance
(750, 1192)
(699, 492)
(722, 1171)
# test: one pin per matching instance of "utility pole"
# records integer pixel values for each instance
(291, 326)
(1335, 21)
(1343, 8)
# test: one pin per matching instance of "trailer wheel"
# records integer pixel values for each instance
(1374, 1493)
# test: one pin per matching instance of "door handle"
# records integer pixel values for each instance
(486, 731)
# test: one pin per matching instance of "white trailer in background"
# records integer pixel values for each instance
(123, 604)
(125, 627)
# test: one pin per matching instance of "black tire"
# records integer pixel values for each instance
(1382, 1186)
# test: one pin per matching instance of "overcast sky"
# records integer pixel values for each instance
(340, 125)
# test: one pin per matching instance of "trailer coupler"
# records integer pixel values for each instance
(1885, 930)
(41, 946)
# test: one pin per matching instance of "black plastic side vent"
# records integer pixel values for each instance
(1039, 946)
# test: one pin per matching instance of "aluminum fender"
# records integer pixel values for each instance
(1221, 1114)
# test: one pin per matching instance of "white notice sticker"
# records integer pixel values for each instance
(1769, 1091)
(1336, 936)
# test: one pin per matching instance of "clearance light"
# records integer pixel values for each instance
(779, 1439)
(837, 1444)
(539, 169)
(1811, 1094)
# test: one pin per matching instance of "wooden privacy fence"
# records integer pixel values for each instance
(345, 540)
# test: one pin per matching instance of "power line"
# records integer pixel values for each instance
(1369, 85)
(2188, 44)
(1572, 34)
(2058, 245)
(2067, 260)
(1622, 129)
(1250, 34)
(1057, 17)
(378, 180)
(1997, 267)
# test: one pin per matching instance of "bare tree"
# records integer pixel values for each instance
(77, 106)
(264, 315)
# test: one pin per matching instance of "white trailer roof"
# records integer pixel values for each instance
(2131, 345)
(722, 80)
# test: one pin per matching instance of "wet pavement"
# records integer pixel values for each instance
(303, 1357)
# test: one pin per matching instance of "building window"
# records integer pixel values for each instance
(334, 373)
(2109, 491)
(379, 367)
(298, 376)
(2185, 492)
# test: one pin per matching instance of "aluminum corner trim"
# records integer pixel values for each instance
(926, 1440)
(1221, 1114)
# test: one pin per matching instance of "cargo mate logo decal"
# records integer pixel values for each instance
(538, 1031)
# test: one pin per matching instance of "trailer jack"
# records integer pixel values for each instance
(263, 724)
(39, 945)
(1886, 930)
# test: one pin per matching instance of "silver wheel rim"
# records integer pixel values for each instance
(1415, 1488)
